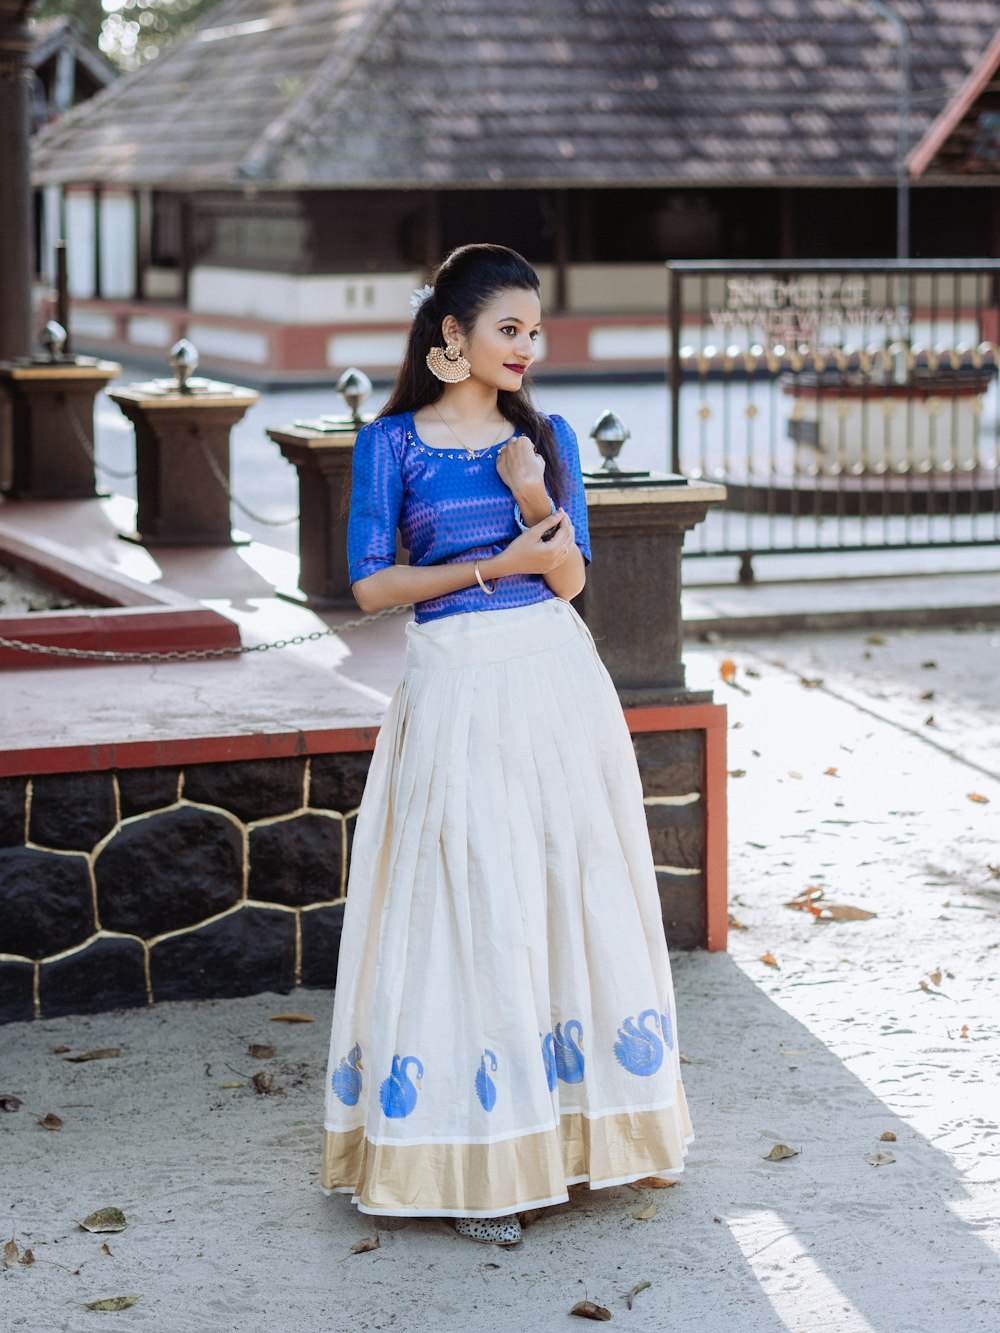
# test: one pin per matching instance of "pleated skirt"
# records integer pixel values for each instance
(504, 1021)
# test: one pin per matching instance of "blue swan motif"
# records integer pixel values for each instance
(638, 1049)
(569, 1057)
(486, 1089)
(668, 1028)
(398, 1094)
(346, 1080)
(549, 1058)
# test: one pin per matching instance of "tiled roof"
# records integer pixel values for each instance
(473, 93)
(965, 138)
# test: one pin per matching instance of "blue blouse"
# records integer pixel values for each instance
(449, 507)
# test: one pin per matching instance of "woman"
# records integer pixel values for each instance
(504, 1019)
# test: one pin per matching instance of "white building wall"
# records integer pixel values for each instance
(51, 231)
(80, 225)
(296, 299)
(117, 245)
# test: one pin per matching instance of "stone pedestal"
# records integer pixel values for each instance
(322, 459)
(632, 600)
(182, 459)
(51, 413)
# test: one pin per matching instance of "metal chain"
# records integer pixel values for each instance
(199, 654)
(85, 445)
(223, 481)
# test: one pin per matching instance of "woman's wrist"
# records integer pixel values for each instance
(492, 567)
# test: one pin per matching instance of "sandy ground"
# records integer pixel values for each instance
(864, 1027)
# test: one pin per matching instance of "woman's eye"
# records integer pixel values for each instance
(508, 328)
(535, 335)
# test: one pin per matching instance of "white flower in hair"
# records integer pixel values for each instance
(418, 298)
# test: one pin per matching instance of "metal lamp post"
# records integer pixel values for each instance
(902, 121)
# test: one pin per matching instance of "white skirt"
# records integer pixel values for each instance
(504, 1021)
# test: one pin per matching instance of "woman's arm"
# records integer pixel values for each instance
(558, 560)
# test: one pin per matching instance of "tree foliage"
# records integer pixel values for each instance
(130, 32)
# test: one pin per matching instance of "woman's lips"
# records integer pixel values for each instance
(518, 370)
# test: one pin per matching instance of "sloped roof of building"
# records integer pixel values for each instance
(964, 140)
(62, 31)
(352, 93)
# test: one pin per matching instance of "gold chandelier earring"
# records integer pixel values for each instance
(448, 364)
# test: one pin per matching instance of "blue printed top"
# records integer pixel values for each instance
(448, 506)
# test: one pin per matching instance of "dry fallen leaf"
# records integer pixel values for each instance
(879, 1158)
(727, 670)
(59, 1050)
(811, 682)
(264, 1084)
(105, 1053)
(803, 902)
(645, 1214)
(105, 1219)
(111, 1303)
(780, 1151)
(769, 959)
(106, 1249)
(830, 772)
(965, 1030)
(11, 1253)
(233, 1083)
(365, 1244)
(292, 1018)
(8, 1102)
(737, 772)
(50, 1121)
(588, 1310)
(979, 800)
(936, 977)
(654, 1183)
(841, 912)
(639, 1286)
(260, 1051)
(27, 1258)
(929, 720)
(737, 925)
(927, 696)
(887, 1137)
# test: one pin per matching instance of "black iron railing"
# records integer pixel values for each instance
(846, 406)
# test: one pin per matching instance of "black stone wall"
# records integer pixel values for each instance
(124, 888)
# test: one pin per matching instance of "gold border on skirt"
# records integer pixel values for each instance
(509, 1175)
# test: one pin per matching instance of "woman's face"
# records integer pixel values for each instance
(501, 346)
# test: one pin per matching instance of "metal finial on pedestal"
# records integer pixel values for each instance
(53, 340)
(354, 387)
(183, 362)
(609, 434)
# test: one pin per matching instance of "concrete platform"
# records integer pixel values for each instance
(345, 680)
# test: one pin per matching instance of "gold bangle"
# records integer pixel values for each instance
(479, 580)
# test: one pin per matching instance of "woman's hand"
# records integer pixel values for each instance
(521, 468)
(530, 553)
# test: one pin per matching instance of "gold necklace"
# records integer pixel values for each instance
(466, 447)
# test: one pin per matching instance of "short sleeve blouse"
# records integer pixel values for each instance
(448, 506)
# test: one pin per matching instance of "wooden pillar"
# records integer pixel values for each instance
(561, 251)
(16, 228)
(787, 224)
(98, 283)
(432, 230)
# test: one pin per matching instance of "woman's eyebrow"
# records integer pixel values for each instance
(513, 319)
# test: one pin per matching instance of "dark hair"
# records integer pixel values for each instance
(463, 284)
